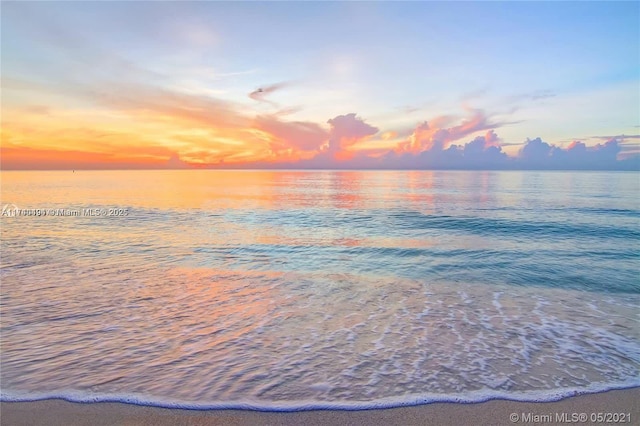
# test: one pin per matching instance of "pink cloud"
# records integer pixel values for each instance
(347, 130)
(577, 145)
(303, 136)
(428, 136)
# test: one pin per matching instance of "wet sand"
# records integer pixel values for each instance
(497, 412)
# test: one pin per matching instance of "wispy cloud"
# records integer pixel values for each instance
(297, 135)
(537, 95)
(617, 137)
(261, 93)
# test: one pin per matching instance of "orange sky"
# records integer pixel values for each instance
(91, 86)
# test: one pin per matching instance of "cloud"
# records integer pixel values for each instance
(536, 151)
(516, 102)
(409, 109)
(389, 135)
(541, 94)
(288, 111)
(537, 95)
(71, 55)
(38, 109)
(299, 135)
(261, 93)
(147, 100)
(175, 162)
(338, 150)
(24, 158)
(346, 131)
(483, 152)
(537, 154)
(620, 137)
(428, 136)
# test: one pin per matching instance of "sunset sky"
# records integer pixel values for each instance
(320, 85)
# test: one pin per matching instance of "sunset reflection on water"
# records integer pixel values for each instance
(322, 286)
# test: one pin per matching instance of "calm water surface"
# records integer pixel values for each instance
(290, 289)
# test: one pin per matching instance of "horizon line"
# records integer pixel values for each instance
(333, 169)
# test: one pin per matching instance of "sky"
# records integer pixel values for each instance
(454, 85)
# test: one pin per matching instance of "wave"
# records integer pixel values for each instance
(307, 405)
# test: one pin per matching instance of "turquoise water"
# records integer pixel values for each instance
(308, 289)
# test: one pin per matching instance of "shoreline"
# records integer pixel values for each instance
(624, 402)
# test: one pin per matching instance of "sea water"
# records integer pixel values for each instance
(287, 290)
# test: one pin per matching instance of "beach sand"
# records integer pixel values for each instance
(497, 412)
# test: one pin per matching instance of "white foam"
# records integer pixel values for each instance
(549, 395)
(496, 301)
(441, 348)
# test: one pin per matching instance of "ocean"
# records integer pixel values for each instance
(290, 290)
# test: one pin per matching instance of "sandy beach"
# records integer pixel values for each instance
(58, 412)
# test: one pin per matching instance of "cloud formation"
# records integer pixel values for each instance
(206, 132)
(429, 136)
(537, 154)
(346, 131)
(483, 152)
(129, 84)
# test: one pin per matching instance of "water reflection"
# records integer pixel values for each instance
(344, 189)
(223, 285)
